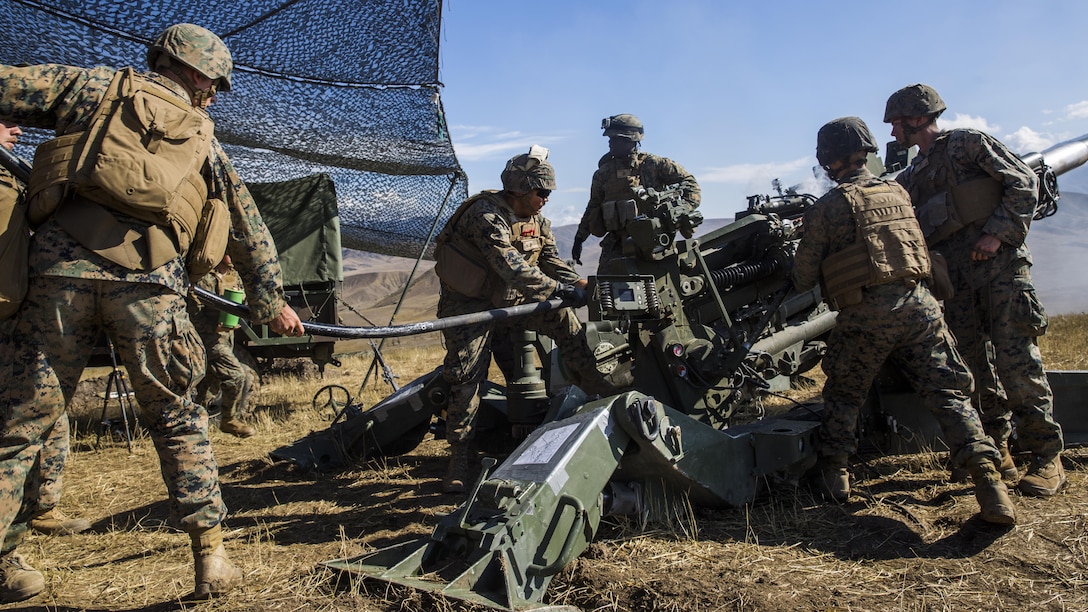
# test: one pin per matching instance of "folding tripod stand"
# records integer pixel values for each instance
(116, 387)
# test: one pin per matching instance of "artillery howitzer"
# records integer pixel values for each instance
(697, 331)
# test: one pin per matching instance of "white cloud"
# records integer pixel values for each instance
(1027, 140)
(564, 216)
(468, 151)
(745, 174)
(1077, 111)
(478, 142)
(959, 120)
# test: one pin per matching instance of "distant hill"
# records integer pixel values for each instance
(1059, 250)
(374, 283)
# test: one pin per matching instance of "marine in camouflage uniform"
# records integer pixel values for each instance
(224, 369)
(975, 201)
(45, 517)
(863, 245)
(619, 173)
(503, 234)
(75, 293)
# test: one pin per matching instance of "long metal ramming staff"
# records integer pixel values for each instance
(21, 170)
(15, 164)
(391, 331)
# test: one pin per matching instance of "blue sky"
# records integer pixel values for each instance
(735, 91)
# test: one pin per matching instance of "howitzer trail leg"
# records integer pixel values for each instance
(534, 515)
(541, 507)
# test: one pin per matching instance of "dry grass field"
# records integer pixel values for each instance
(908, 540)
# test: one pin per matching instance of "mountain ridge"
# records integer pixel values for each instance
(374, 283)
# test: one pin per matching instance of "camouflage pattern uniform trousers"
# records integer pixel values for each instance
(223, 365)
(616, 179)
(900, 321)
(74, 294)
(48, 479)
(995, 314)
(468, 353)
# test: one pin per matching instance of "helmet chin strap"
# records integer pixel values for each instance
(909, 130)
(199, 97)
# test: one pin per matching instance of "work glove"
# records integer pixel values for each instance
(576, 250)
(573, 296)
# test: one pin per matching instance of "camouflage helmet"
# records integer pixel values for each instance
(529, 171)
(623, 125)
(841, 138)
(918, 100)
(197, 48)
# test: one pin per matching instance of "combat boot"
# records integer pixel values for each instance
(215, 574)
(1007, 468)
(834, 477)
(992, 495)
(54, 522)
(457, 473)
(20, 580)
(1045, 477)
(236, 427)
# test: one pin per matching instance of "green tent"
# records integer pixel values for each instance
(304, 221)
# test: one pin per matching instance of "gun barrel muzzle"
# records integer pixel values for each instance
(1062, 157)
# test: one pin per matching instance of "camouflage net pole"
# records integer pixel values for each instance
(400, 300)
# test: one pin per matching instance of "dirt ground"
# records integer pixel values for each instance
(907, 540)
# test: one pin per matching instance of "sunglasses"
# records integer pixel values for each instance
(543, 193)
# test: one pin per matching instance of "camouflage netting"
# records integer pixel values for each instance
(345, 88)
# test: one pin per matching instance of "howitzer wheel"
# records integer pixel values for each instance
(331, 400)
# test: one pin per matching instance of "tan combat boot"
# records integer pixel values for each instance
(54, 522)
(235, 427)
(1007, 468)
(457, 473)
(992, 495)
(18, 580)
(1045, 477)
(215, 574)
(835, 478)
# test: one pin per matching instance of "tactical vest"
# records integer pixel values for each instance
(944, 205)
(619, 206)
(142, 156)
(461, 265)
(889, 244)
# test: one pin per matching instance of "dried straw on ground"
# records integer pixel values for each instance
(908, 541)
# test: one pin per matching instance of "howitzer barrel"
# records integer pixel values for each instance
(1062, 157)
(779, 341)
